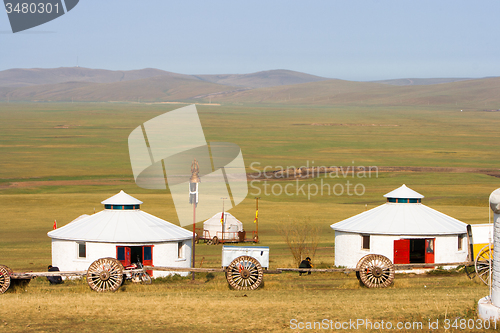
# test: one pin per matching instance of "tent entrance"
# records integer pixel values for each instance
(414, 251)
(417, 251)
(128, 255)
(136, 254)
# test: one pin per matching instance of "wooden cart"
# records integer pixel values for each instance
(246, 273)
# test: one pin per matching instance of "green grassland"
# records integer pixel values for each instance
(59, 161)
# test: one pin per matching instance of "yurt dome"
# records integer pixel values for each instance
(402, 229)
(122, 231)
(121, 221)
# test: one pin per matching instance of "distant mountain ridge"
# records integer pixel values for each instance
(277, 77)
(420, 82)
(20, 77)
(267, 87)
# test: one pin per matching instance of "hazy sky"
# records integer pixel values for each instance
(352, 40)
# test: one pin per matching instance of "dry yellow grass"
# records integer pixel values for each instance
(208, 305)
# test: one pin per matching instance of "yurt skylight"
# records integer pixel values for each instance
(122, 201)
(404, 194)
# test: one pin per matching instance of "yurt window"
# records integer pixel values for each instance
(180, 253)
(460, 241)
(82, 250)
(122, 207)
(365, 243)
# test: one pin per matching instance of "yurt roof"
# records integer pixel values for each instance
(121, 198)
(402, 219)
(121, 226)
(229, 219)
(404, 192)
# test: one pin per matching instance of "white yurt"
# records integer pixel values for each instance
(122, 231)
(404, 230)
(213, 227)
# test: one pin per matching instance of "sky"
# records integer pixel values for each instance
(350, 40)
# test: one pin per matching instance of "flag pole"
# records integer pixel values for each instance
(223, 219)
(193, 199)
(257, 217)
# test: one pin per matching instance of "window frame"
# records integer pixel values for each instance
(78, 250)
(461, 242)
(180, 251)
(364, 239)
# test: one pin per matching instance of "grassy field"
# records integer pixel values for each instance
(59, 161)
(177, 305)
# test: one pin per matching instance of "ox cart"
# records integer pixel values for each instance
(245, 267)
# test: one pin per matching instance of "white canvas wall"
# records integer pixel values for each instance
(65, 255)
(230, 230)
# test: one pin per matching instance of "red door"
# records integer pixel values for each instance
(429, 250)
(123, 255)
(147, 257)
(402, 251)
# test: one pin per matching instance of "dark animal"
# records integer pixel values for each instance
(306, 263)
(54, 279)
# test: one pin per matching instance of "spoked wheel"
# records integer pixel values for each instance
(4, 278)
(376, 271)
(145, 278)
(244, 273)
(483, 264)
(105, 274)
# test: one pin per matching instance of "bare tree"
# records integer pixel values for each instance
(301, 237)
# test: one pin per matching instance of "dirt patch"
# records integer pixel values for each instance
(342, 124)
(34, 184)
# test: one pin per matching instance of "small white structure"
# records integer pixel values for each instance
(404, 230)
(261, 253)
(213, 227)
(488, 308)
(122, 231)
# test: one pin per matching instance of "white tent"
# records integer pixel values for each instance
(123, 231)
(213, 227)
(402, 229)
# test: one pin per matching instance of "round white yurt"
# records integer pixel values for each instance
(404, 230)
(213, 227)
(122, 231)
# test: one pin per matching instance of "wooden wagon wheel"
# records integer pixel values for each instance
(376, 271)
(483, 263)
(4, 278)
(105, 274)
(244, 273)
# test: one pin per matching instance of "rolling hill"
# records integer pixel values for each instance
(154, 89)
(477, 94)
(20, 77)
(267, 87)
(279, 77)
(420, 81)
